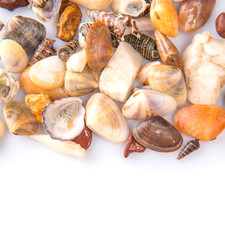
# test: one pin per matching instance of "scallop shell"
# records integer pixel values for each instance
(146, 103)
(99, 47)
(203, 122)
(2, 128)
(64, 119)
(19, 119)
(170, 80)
(67, 50)
(94, 4)
(9, 86)
(48, 73)
(104, 117)
(158, 134)
(27, 32)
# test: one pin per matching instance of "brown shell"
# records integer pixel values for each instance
(13, 4)
(99, 47)
(85, 138)
(67, 50)
(158, 134)
(220, 24)
(203, 122)
(190, 147)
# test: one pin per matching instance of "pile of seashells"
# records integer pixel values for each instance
(106, 57)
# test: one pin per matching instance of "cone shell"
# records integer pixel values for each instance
(158, 134)
(99, 47)
(145, 103)
(19, 119)
(164, 16)
(203, 122)
(104, 117)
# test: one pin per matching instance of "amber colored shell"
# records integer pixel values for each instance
(13, 4)
(203, 122)
(99, 47)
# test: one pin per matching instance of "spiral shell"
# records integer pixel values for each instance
(67, 50)
(190, 147)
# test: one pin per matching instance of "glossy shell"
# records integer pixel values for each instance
(220, 24)
(19, 119)
(85, 138)
(158, 134)
(203, 122)
(64, 119)
(13, 4)
(67, 50)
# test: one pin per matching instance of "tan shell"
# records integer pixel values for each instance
(2, 128)
(94, 4)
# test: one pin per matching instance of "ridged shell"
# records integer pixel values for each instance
(158, 134)
(146, 103)
(190, 147)
(99, 47)
(67, 50)
(19, 119)
(64, 119)
(170, 80)
(27, 32)
(104, 117)
(203, 122)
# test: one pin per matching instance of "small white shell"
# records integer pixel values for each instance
(2, 128)
(64, 119)
(77, 61)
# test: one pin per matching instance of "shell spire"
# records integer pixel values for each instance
(190, 147)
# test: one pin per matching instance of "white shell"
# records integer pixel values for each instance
(2, 128)
(64, 119)
(77, 61)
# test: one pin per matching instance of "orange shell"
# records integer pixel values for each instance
(98, 47)
(203, 122)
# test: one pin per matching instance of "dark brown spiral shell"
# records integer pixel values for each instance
(67, 50)
(144, 45)
(13, 4)
(190, 147)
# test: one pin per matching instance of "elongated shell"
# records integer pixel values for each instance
(27, 32)
(190, 147)
(104, 117)
(67, 50)
(99, 47)
(19, 119)
(94, 4)
(64, 119)
(170, 80)
(203, 122)
(146, 103)
(158, 134)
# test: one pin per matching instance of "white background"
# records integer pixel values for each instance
(47, 195)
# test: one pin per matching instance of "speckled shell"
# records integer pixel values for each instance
(158, 134)
(203, 122)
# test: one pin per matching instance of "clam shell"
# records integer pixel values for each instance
(77, 84)
(2, 128)
(77, 61)
(170, 80)
(94, 4)
(104, 117)
(27, 32)
(145, 103)
(48, 73)
(13, 4)
(158, 134)
(9, 86)
(64, 119)
(203, 122)
(99, 47)
(19, 119)
(13, 56)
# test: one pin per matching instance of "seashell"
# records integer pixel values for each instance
(9, 86)
(37, 103)
(19, 119)
(64, 119)
(45, 49)
(190, 147)
(77, 61)
(203, 122)
(85, 138)
(45, 76)
(170, 80)
(67, 50)
(158, 134)
(13, 56)
(146, 103)
(66, 147)
(143, 72)
(94, 4)
(82, 33)
(98, 47)
(117, 81)
(164, 16)
(1, 25)
(78, 84)
(29, 87)
(68, 23)
(132, 146)
(168, 53)
(220, 24)
(194, 14)
(144, 45)
(46, 10)
(27, 32)
(2, 128)
(13, 4)
(104, 117)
